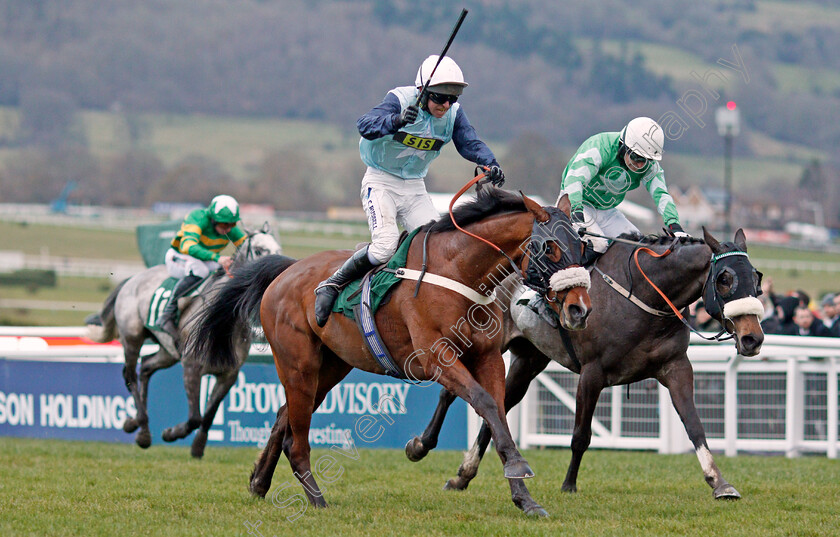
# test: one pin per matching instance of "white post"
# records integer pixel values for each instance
(473, 425)
(513, 422)
(615, 413)
(831, 407)
(730, 407)
(665, 440)
(794, 409)
(525, 412)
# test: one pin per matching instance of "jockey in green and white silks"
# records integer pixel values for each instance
(196, 251)
(606, 167)
(399, 142)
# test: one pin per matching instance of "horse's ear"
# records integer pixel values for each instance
(741, 240)
(711, 241)
(266, 228)
(565, 205)
(535, 208)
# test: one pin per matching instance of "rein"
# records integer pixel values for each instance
(629, 296)
(238, 252)
(716, 337)
(470, 183)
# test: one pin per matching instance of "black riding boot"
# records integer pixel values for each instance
(327, 291)
(166, 321)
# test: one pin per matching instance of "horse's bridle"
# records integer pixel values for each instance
(541, 271)
(713, 301)
(249, 250)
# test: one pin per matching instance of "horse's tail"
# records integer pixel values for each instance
(102, 326)
(215, 334)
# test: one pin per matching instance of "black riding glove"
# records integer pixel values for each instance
(577, 221)
(408, 116)
(677, 230)
(496, 176)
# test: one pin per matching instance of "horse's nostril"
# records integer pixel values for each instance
(749, 344)
(575, 311)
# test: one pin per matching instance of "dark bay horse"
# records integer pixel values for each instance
(623, 344)
(440, 335)
(124, 315)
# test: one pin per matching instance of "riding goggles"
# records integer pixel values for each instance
(441, 98)
(637, 158)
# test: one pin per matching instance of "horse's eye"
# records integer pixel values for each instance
(727, 280)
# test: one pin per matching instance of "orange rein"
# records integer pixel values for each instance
(470, 183)
(466, 187)
(654, 254)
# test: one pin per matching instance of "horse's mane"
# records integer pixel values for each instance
(654, 239)
(489, 201)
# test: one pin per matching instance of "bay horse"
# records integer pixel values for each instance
(438, 335)
(622, 343)
(124, 315)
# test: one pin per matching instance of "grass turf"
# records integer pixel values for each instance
(50, 487)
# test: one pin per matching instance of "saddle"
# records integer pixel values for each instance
(382, 282)
(160, 298)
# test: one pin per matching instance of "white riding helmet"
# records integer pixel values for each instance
(447, 79)
(644, 137)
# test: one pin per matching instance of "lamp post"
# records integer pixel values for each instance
(728, 120)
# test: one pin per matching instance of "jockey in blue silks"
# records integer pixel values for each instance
(399, 142)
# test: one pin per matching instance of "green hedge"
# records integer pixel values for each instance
(32, 278)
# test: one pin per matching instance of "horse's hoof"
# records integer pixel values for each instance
(571, 489)
(455, 484)
(168, 435)
(536, 511)
(257, 489)
(414, 449)
(726, 492)
(199, 442)
(130, 425)
(518, 470)
(144, 439)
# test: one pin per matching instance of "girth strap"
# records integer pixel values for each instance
(367, 327)
(442, 281)
(631, 297)
(567, 342)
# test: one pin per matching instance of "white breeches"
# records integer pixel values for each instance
(180, 265)
(390, 202)
(606, 222)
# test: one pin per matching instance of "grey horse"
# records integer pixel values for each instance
(124, 316)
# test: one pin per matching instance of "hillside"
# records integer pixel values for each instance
(531, 62)
(163, 100)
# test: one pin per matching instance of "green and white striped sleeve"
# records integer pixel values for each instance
(585, 165)
(655, 184)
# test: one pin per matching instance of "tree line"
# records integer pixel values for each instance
(540, 73)
(333, 60)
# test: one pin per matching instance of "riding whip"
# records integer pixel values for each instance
(442, 54)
